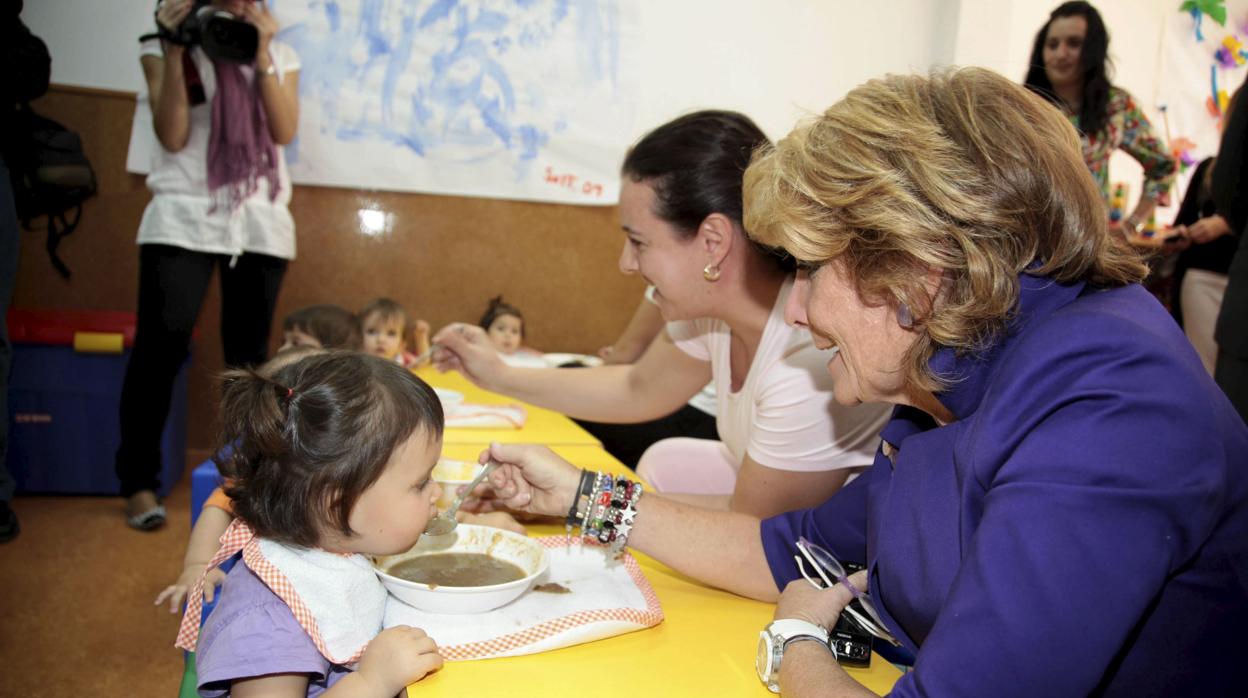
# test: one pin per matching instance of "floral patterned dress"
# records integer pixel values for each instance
(1129, 129)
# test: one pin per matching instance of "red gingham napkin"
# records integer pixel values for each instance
(240, 537)
(607, 597)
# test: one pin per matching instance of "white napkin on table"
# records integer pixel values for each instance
(487, 416)
(606, 597)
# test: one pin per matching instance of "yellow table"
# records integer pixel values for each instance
(704, 647)
(541, 427)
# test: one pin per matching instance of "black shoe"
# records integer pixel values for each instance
(9, 528)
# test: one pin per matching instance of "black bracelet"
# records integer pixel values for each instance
(586, 480)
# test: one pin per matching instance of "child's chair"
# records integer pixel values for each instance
(204, 479)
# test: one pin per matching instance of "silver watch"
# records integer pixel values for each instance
(774, 638)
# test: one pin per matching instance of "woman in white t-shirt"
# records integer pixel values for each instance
(785, 443)
(219, 201)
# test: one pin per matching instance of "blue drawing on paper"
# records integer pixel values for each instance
(451, 82)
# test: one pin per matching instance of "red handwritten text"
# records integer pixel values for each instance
(573, 183)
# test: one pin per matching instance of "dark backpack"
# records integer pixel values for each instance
(51, 177)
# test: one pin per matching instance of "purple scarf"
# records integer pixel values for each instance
(240, 148)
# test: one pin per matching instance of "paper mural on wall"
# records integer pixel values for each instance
(514, 99)
(1202, 62)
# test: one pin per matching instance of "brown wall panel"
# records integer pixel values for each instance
(443, 258)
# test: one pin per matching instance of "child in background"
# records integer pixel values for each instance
(314, 498)
(323, 326)
(387, 329)
(504, 325)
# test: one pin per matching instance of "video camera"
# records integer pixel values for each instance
(222, 36)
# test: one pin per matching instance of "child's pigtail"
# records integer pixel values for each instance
(254, 415)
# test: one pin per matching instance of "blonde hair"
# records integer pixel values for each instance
(962, 171)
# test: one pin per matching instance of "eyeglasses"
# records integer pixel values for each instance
(831, 572)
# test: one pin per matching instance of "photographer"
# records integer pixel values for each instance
(220, 193)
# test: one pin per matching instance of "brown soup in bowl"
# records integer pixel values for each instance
(456, 570)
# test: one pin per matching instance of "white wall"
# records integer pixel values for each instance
(780, 60)
(998, 34)
(775, 61)
(94, 43)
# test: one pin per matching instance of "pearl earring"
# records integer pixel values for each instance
(904, 317)
(710, 272)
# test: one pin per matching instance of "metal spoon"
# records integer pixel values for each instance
(426, 354)
(445, 522)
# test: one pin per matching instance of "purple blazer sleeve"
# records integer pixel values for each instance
(1093, 495)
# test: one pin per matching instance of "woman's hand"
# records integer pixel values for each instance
(177, 591)
(1208, 229)
(257, 14)
(397, 657)
(170, 13)
(467, 349)
(532, 479)
(822, 607)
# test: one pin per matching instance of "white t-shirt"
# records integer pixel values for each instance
(784, 416)
(705, 399)
(181, 212)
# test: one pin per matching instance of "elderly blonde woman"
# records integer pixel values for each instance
(1058, 504)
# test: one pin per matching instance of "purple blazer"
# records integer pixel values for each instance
(1081, 528)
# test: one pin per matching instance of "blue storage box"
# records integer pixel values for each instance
(63, 404)
(204, 479)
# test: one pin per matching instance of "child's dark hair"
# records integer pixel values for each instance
(388, 309)
(301, 446)
(497, 309)
(696, 165)
(333, 327)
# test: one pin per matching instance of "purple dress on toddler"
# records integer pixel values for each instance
(253, 633)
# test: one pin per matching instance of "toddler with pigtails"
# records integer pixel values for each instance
(330, 464)
(504, 325)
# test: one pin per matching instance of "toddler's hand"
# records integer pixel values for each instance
(399, 656)
(177, 591)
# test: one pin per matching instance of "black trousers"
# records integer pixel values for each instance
(9, 241)
(1231, 373)
(628, 441)
(172, 285)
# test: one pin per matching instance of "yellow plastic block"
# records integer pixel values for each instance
(98, 342)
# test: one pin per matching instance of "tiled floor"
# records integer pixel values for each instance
(76, 591)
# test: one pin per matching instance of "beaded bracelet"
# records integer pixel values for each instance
(614, 506)
(625, 508)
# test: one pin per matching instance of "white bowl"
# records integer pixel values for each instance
(524, 552)
(451, 475)
(450, 399)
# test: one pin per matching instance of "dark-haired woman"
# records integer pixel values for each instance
(220, 195)
(783, 442)
(1069, 67)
